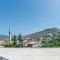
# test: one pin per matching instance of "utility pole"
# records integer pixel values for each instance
(9, 36)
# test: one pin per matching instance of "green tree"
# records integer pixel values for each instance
(14, 40)
(20, 39)
(51, 43)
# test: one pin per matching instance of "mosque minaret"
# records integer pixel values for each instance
(9, 35)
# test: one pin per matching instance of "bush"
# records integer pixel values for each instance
(8, 45)
(51, 43)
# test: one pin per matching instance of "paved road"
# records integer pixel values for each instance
(30, 54)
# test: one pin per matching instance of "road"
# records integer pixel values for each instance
(30, 54)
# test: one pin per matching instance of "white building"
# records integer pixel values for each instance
(31, 43)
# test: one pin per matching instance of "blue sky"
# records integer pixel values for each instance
(28, 16)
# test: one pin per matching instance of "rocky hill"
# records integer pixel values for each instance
(46, 32)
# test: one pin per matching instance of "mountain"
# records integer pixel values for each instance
(4, 36)
(45, 32)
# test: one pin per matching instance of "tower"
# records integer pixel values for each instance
(9, 36)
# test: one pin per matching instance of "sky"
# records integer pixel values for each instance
(28, 16)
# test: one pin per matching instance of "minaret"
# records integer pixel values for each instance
(9, 36)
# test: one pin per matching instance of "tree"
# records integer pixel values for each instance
(14, 40)
(20, 38)
(51, 43)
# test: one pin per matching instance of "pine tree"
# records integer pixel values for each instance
(14, 40)
(20, 38)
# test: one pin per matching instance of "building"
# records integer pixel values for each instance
(30, 43)
(4, 41)
(1, 42)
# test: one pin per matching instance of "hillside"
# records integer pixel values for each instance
(46, 32)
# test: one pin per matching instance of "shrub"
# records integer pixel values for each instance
(8, 45)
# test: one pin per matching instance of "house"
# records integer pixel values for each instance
(4, 41)
(1, 42)
(30, 43)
